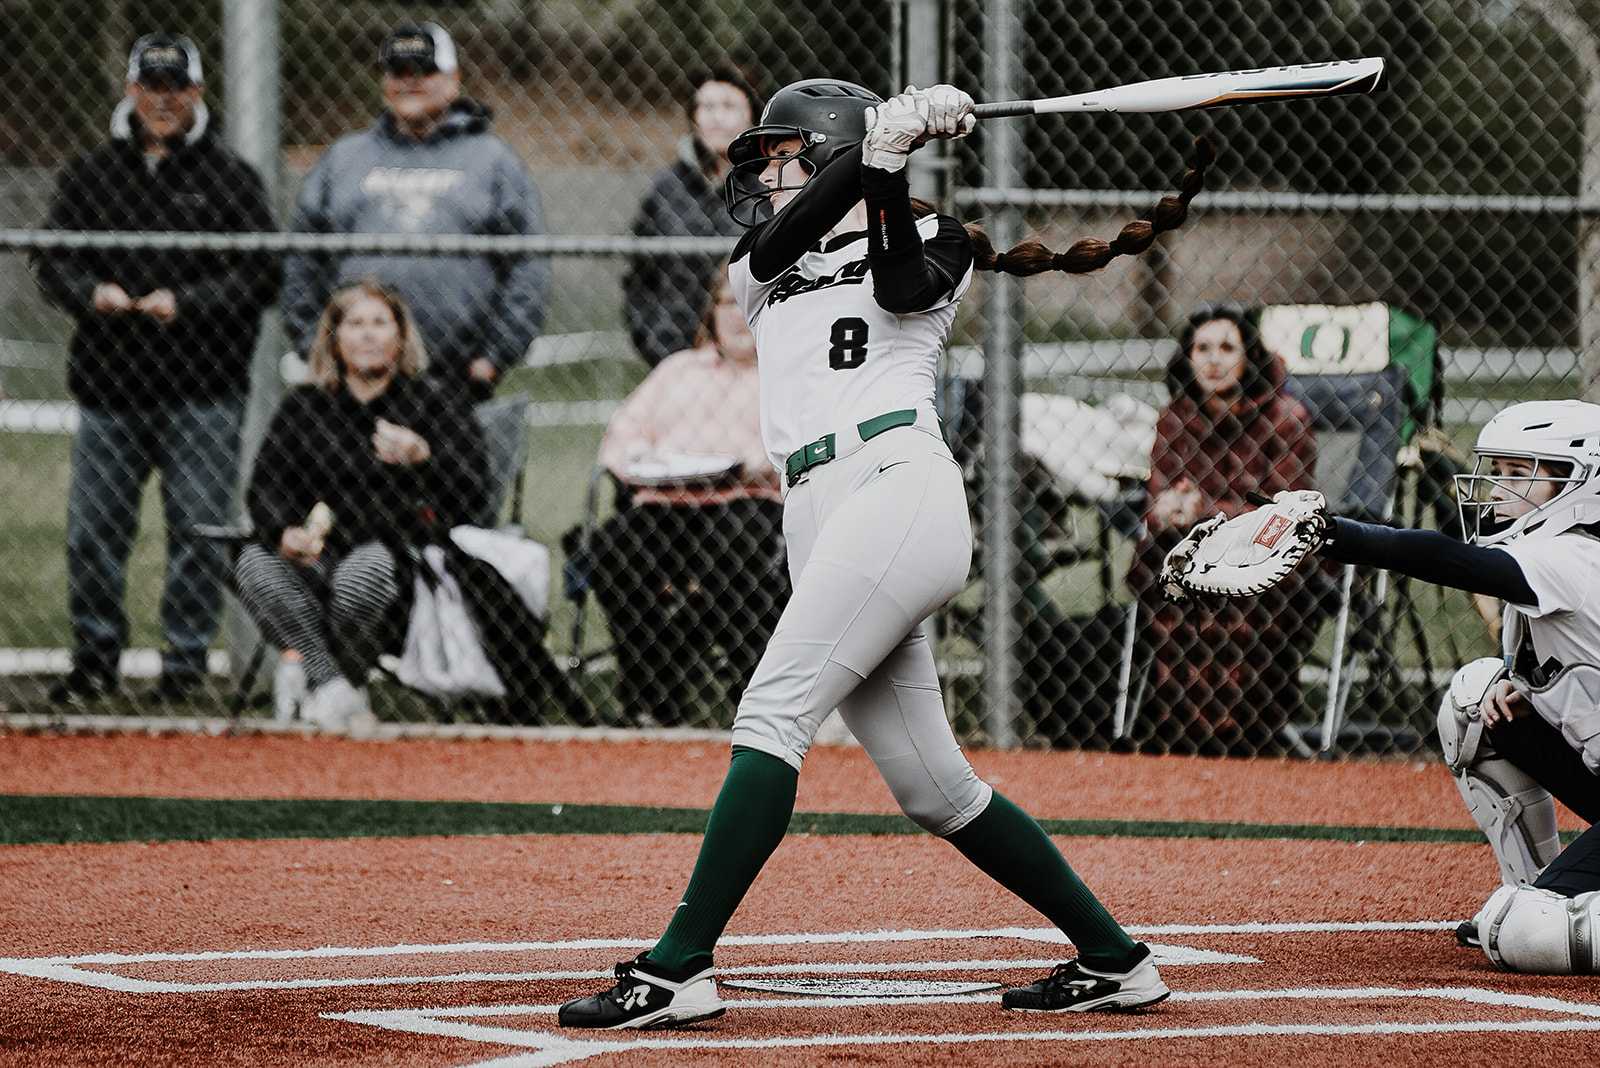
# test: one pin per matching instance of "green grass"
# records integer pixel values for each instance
(30, 820)
(34, 470)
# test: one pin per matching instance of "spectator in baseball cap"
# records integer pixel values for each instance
(164, 60)
(159, 363)
(421, 77)
(423, 48)
(164, 81)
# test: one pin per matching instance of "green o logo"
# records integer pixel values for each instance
(1325, 343)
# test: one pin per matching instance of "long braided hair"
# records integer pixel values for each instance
(1092, 253)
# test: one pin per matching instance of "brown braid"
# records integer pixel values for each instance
(1092, 253)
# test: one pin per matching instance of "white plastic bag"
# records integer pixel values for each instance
(443, 653)
(522, 562)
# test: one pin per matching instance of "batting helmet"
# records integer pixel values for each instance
(827, 115)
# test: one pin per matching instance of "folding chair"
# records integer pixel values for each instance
(577, 572)
(504, 422)
(1369, 376)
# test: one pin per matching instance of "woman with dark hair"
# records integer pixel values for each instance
(663, 295)
(1222, 682)
(358, 464)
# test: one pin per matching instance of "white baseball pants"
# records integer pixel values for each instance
(877, 540)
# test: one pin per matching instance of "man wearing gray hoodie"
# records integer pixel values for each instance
(429, 165)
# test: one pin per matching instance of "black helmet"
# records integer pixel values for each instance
(826, 114)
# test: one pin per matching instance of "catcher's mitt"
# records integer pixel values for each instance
(1251, 552)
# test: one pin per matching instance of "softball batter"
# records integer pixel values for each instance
(851, 296)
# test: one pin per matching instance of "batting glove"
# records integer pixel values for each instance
(949, 112)
(894, 128)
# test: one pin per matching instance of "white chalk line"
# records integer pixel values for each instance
(1476, 995)
(550, 1048)
(1165, 956)
(68, 969)
(1034, 934)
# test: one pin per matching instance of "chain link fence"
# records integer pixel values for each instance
(1397, 268)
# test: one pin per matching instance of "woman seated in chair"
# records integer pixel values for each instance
(697, 559)
(1223, 681)
(390, 455)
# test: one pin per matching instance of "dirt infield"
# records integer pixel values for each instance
(454, 950)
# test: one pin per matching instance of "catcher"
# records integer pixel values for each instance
(1514, 729)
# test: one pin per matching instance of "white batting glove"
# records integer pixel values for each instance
(949, 112)
(894, 128)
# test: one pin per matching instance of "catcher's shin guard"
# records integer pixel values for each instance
(1516, 814)
(1525, 929)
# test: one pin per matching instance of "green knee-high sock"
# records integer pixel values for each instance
(747, 823)
(1014, 851)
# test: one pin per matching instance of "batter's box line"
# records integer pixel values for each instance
(1165, 955)
(1031, 934)
(71, 969)
(548, 1049)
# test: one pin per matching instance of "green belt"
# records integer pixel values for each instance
(823, 450)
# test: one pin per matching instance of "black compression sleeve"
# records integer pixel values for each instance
(907, 276)
(779, 243)
(1431, 557)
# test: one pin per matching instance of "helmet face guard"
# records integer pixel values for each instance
(747, 196)
(1482, 495)
(1553, 445)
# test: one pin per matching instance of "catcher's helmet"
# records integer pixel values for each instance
(1559, 441)
(827, 115)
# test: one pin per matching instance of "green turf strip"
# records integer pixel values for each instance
(30, 819)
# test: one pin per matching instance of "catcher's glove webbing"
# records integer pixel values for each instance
(1250, 553)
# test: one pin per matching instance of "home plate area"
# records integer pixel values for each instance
(855, 995)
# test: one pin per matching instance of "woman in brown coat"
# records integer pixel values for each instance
(1222, 682)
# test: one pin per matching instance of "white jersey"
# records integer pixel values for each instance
(829, 356)
(1564, 573)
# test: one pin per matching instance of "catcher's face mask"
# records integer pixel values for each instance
(1502, 489)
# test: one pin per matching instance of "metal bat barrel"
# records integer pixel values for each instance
(1195, 91)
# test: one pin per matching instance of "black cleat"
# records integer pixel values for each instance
(645, 1000)
(175, 689)
(1467, 934)
(1071, 987)
(80, 687)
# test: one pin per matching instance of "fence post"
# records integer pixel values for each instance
(922, 53)
(254, 113)
(1002, 391)
(254, 110)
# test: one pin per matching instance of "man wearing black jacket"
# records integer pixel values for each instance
(159, 361)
